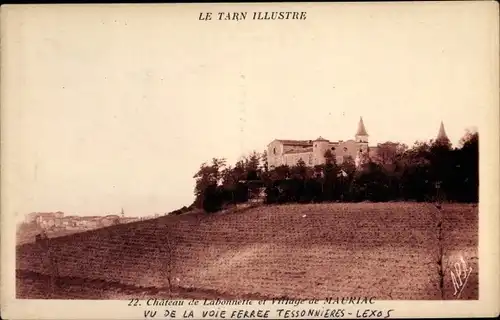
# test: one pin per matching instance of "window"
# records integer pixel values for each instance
(274, 151)
(345, 148)
(333, 148)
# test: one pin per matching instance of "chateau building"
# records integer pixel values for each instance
(312, 152)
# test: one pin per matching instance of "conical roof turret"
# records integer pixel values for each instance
(361, 128)
(442, 134)
(320, 138)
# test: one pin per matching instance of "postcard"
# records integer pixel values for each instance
(250, 161)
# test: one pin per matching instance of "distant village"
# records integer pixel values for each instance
(51, 220)
(56, 224)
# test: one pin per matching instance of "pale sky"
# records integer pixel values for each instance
(113, 108)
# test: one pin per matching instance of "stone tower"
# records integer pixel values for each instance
(362, 141)
(320, 146)
(361, 135)
(442, 137)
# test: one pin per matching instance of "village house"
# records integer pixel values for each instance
(54, 224)
(46, 220)
(70, 221)
(90, 222)
(129, 219)
(110, 220)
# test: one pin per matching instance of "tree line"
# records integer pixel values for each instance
(427, 171)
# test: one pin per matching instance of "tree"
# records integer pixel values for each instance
(330, 157)
(264, 162)
(389, 157)
(252, 169)
(388, 153)
(371, 183)
(229, 177)
(207, 175)
(428, 171)
(348, 165)
(212, 198)
(300, 170)
(252, 165)
(281, 173)
(232, 175)
(467, 168)
(470, 139)
(329, 182)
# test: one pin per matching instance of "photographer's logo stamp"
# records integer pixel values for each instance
(459, 275)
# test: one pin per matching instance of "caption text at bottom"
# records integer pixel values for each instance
(331, 308)
(268, 314)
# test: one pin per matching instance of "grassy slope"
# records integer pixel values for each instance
(389, 251)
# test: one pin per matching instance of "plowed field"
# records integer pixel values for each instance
(382, 250)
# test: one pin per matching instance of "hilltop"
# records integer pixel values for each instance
(384, 250)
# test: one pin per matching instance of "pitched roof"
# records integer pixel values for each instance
(48, 214)
(88, 218)
(296, 142)
(112, 216)
(320, 138)
(361, 128)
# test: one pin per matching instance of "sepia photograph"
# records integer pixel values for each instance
(230, 153)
